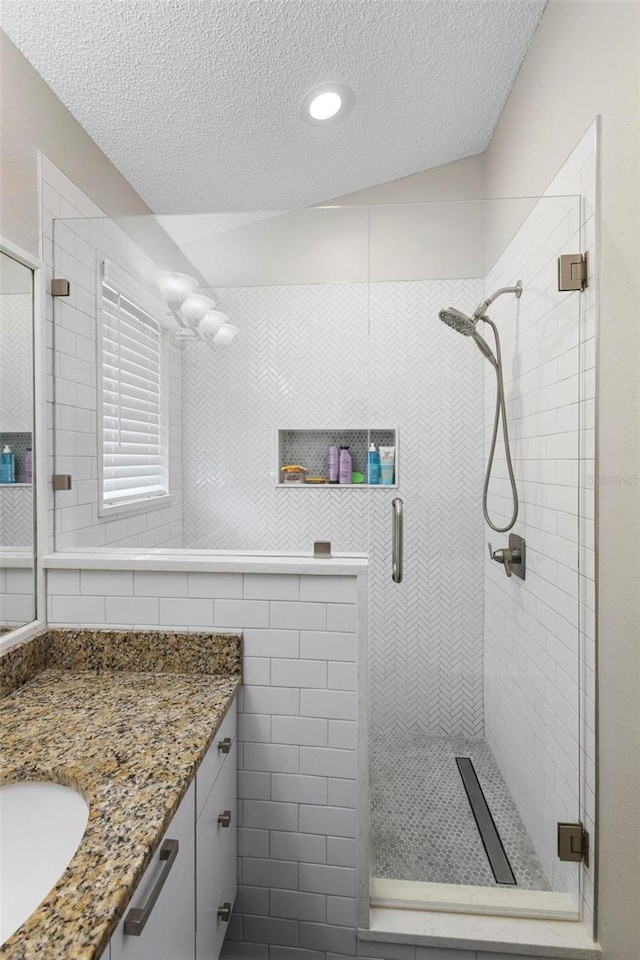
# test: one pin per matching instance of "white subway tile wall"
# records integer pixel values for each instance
(16, 594)
(72, 379)
(297, 713)
(539, 635)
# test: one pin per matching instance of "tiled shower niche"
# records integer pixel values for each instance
(308, 448)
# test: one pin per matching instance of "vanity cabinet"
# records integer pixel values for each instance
(191, 914)
(168, 931)
(216, 877)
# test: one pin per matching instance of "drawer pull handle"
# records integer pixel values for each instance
(224, 746)
(224, 818)
(137, 917)
(224, 912)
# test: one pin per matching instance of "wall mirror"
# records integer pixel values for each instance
(17, 490)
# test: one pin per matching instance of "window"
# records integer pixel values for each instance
(133, 443)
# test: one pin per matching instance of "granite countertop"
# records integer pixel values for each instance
(130, 740)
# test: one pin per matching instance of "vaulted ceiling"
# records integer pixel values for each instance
(197, 101)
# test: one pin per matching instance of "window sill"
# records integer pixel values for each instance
(525, 937)
(131, 509)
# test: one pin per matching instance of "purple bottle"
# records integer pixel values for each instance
(332, 464)
(345, 466)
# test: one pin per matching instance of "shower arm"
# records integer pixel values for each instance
(484, 306)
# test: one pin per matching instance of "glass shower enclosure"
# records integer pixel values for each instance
(472, 677)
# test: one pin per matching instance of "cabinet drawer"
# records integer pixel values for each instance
(214, 758)
(216, 877)
(168, 932)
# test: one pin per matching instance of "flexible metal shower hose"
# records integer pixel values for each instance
(500, 412)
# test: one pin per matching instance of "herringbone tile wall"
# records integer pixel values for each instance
(16, 362)
(327, 355)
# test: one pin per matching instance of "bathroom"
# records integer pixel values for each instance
(419, 701)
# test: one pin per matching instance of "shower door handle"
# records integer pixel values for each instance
(397, 545)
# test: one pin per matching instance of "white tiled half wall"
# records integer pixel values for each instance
(17, 602)
(82, 234)
(539, 635)
(355, 355)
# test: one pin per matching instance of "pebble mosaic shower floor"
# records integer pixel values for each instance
(422, 824)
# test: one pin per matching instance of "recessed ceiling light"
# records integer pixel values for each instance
(327, 103)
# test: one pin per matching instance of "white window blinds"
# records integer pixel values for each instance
(134, 449)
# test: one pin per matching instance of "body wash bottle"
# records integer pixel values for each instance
(7, 466)
(373, 465)
(346, 466)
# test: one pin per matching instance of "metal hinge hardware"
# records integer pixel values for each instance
(573, 843)
(61, 481)
(573, 271)
(60, 287)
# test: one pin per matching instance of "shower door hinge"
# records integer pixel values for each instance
(61, 481)
(573, 271)
(573, 843)
(60, 287)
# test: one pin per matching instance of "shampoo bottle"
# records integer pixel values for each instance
(7, 466)
(345, 466)
(28, 466)
(373, 465)
(332, 464)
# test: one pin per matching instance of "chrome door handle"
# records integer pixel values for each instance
(224, 911)
(137, 917)
(224, 746)
(224, 819)
(397, 544)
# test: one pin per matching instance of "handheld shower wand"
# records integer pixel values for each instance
(467, 327)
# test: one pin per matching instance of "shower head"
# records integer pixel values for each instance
(458, 321)
(467, 327)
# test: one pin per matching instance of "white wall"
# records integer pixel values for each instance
(586, 55)
(73, 242)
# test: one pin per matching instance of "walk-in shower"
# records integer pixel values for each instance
(338, 344)
(467, 327)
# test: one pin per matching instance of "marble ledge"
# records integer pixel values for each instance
(206, 561)
(559, 939)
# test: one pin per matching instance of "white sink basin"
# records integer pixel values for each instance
(41, 826)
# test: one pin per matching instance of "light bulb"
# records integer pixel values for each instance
(325, 105)
(225, 334)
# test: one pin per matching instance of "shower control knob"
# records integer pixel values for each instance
(511, 557)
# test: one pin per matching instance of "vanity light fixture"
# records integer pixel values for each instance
(327, 103)
(194, 313)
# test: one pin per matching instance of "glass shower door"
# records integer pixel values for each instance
(474, 675)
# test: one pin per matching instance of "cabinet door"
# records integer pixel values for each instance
(216, 877)
(169, 932)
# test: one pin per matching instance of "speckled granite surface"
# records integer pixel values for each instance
(131, 743)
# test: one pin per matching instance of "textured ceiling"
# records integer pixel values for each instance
(196, 101)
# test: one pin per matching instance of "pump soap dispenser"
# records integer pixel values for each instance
(7, 465)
